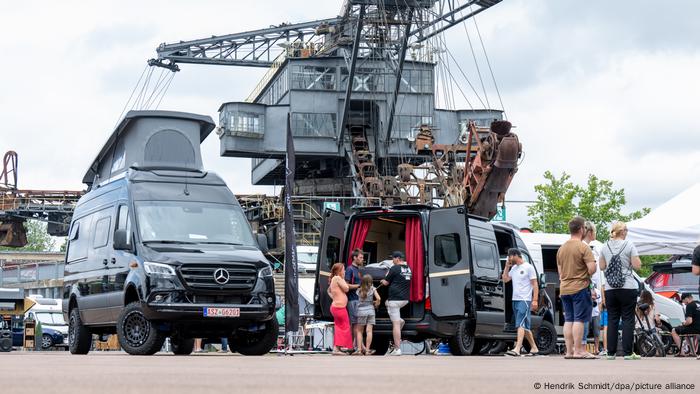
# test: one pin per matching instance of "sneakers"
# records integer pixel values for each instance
(633, 356)
(610, 357)
(603, 353)
(395, 352)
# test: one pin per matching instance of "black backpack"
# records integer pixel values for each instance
(614, 272)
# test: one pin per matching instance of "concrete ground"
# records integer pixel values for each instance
(117, 372)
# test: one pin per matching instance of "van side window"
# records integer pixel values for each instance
(448, 250)
(332, 251)
(101, 232)
(484, 256)
(79, 240)
(123, 222)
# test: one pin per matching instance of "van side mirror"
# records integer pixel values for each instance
(262, 243)
(120, 240)
(543, 282)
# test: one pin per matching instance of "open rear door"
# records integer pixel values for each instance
(448, 261)
(330, 252)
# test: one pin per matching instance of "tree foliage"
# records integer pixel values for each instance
(559, 199)
(38, 240)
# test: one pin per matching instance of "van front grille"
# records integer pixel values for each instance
(241, 276)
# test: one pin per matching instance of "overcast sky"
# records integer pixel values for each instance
(603, 87)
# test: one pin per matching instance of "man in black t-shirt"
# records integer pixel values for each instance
(399, 280)
(691, 325)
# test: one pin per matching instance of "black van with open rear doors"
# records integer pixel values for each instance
(457, 260)
(159, 247)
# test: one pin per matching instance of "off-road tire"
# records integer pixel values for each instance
(255, 344)
(546, 338)
(138, 335)
(182, 346)
(79, 337)
(463, 343)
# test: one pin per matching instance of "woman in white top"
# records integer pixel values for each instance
(619, 258)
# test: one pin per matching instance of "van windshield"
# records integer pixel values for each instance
(192, 222)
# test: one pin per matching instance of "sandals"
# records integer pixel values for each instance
(512, 353)
(339, 353)
(586, 356)
(370, 352)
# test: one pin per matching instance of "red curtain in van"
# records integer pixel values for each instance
(414, 258)
(360, 230)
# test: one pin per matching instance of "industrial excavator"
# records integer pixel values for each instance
(380, 45)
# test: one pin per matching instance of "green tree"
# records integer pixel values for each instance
(559, 199)
(38, 240)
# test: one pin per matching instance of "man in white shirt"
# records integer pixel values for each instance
(524, 280)
(598, 279)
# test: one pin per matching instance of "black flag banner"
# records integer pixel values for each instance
(291, 275)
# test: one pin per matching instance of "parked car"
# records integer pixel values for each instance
(458, 260)
(673, 278)
(159, 247)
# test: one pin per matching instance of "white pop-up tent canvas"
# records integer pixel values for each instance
(672, 228)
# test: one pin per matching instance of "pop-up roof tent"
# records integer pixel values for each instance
(151, 139)
(672, 228)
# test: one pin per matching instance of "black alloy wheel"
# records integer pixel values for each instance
(463, 343)
(138, 335)
(546, 338)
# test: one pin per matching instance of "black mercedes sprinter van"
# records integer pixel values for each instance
(457, 259)
(159, 247)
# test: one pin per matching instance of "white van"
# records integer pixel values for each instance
(306, 258)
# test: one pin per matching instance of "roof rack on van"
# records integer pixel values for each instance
(153, 139)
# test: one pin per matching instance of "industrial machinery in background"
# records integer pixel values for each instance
(18, 205)
(370, 95)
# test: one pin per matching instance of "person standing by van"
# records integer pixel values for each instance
(524, 279)
(342, 339)
(398, 279)
(366, 317)
(353, 278)
(598, 279)
(575, 264)
(619, 258)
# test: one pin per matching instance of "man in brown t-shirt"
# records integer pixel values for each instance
(576, 264)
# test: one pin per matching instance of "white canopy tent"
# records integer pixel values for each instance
(672, 228)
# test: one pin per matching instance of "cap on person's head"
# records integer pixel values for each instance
(514, 252)
(397, 255)
(686, 295)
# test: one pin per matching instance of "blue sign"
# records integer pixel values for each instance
(500, 214)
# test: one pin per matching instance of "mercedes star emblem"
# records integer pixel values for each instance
(221, 276)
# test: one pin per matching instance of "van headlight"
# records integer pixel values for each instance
(158, 269)
(265, 272)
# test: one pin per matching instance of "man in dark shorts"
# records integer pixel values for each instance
(691, 325)
(353, 278)
(576, 264)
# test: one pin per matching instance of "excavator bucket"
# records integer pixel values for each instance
(13, 234)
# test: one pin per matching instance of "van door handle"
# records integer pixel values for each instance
(104, 262)
(114, 260)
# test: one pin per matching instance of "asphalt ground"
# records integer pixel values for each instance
(117, 372)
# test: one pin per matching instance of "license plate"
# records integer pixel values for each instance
(222, 312)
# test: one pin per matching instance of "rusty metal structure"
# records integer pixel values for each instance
(17, 205)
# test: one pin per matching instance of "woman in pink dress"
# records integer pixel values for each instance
(342, 338)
